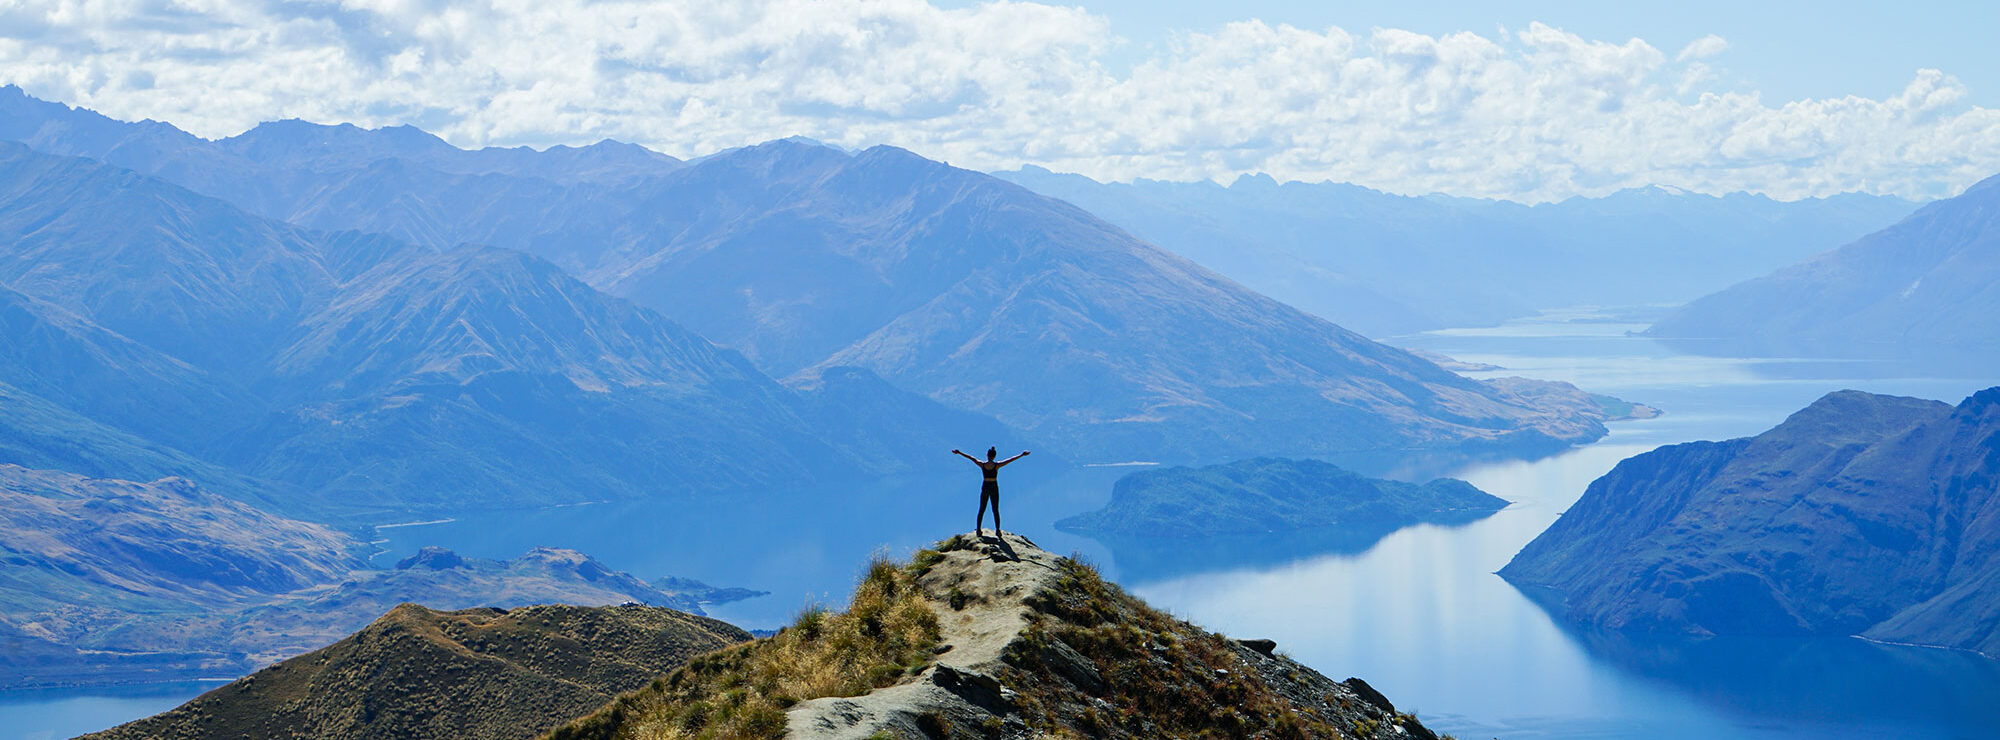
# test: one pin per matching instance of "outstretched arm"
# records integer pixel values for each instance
(1024, 453)
(974, 460)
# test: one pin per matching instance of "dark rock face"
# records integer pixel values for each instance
(1928, 286)
(1267, 495)
(1860, 514)
(431, 558)
(478, 673)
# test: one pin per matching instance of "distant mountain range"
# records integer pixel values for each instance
(952, 285)
(1928, 286)
(160, 332)
(1386, 264)
(113, 581)
(1861, 514)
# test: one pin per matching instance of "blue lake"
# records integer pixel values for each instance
(1418, 614)
(52, 714)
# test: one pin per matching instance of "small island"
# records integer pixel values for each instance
(1274, 495)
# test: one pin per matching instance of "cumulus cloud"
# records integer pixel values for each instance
(1532, 114)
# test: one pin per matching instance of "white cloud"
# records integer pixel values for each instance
(1706, 47)
(1534, 114)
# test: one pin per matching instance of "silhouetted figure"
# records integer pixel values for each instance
(990, 489)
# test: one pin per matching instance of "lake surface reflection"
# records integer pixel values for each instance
(1421, 616)
(1418, 613)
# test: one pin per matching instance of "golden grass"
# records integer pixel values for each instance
(887, 632)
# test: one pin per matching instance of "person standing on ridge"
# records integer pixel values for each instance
(991, 488)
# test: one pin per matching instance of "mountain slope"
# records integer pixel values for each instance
(1860, 514)
(1930, 284)
(477, 673)
(1387, 264)
(374, 374)
(987, 297)
(116, 581)
(1026, 644)
(949, 283)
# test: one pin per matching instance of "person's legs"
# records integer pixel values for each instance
(996, 513)
(980, 521)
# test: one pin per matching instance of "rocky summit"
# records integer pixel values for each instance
(997, 638)
(477, 673)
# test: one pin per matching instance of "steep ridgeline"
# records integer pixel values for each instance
(1386, 264)
(996, 639)
(951, 284)
(1859, 515)
(1273, 495)
(1928, 286)
(112, 581)
(491, 674)
(161, 332)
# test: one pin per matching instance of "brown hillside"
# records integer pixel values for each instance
(477, 673)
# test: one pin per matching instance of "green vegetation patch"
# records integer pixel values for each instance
(887, 633)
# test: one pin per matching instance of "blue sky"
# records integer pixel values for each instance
(1530, 101)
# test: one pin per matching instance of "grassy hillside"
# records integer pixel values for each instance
(477, 673)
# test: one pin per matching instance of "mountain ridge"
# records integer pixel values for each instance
(421, 673)
(1920, 287)
(940, 275)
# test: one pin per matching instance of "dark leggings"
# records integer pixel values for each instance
(989, 491)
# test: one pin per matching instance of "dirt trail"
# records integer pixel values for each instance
(994, 580)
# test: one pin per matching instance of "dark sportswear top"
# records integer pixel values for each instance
(991, 469)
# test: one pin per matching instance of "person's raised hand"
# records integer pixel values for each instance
(956, 452)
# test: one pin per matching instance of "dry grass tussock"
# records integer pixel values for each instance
(1163, 677)
(887, 633)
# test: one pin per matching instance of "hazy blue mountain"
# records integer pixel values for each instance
(53, 353)
(985, 296)
(1929, 285)
(38, 433)
(399, 181)
(1860, 514)
(1386, 264)
(952, 284)
(369, 373)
